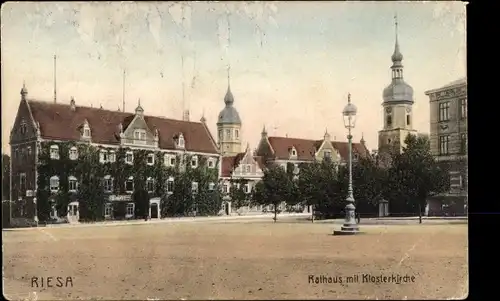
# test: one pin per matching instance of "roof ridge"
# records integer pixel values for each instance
(110, 111)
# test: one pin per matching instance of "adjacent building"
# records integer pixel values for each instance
(40, 125)
(448, 141)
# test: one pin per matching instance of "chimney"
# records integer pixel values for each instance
(72, 104)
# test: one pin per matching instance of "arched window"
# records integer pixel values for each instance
(73, 153)
(54, 184)
(72, 184)
(54, 152)
(129, 184)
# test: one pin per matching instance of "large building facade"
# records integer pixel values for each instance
(397, 106)
(448, 140)
(56, 132)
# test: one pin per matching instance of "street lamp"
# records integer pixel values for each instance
(350, 226)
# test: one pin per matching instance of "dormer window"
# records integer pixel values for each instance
(23, 127)
(151, 159)
(54, 152)
(86, 132)
(73, 153)
(181, 143)
(129, 157)
(328, 154)
(247, 168)
(194, 161)
(293, 152)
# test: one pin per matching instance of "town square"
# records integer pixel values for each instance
(253, 150)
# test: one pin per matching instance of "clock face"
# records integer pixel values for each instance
(408, 109)
(388, 110)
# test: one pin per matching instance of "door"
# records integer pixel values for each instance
(226, 207)
(154, 210)
(73, 214)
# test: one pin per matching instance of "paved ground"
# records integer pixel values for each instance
(250, 259)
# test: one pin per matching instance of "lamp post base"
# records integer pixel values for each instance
(347, 229)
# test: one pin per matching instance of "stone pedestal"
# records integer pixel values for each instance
(350, 226)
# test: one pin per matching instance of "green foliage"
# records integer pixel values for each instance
(323, 185)
(276, 187)
(141, 201)
(370, 184)
(90, 172)
(415, 176)
(239, 198)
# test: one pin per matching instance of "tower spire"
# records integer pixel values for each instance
(397, 57)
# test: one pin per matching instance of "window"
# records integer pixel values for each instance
(463, 143)
(151, 159)
(140, 136)
(389, 120)
(247, 168)
(130, 209)
(112, 156)
(211, 163)
(225, 188)
(194, 162)
(444, 111)
(181, 142)
(172, 161)
(228, 134)
(29, 150)
(73, 153)
(54, 184)
(443, 144)
(237, 134)
(108, 183)
(294, 152)
(108, 210)
(328, 154)
(103, 156)
(463, 108)
(129, 184)
(86, 133)
(194, 187)
(22, 183)
(72, 184)
(220, 134)
(150, 185)
(23, 127)
(129, 157)
(407, 119)
(211, 186)
(246, 188)
(170, 184)
(54, 152)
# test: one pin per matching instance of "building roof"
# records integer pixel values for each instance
(61, 122)
(455, 83)
(306, 148)
(231, 162)
(229, 115)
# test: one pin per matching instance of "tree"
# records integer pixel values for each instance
(370, 184)
(5, 177)
(91, 199)
(417, 174)
(274, 188)
(239, 197)
(321, 186)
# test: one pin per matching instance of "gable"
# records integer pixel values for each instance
(24, 127)
(305, 148)
(264, 148)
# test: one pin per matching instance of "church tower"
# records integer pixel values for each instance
(397, 106)
(229, 125)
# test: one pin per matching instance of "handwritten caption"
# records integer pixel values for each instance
(361, 278)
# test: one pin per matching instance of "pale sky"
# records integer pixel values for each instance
(292, 63)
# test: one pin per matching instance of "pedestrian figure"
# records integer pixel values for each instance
(358, 217)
